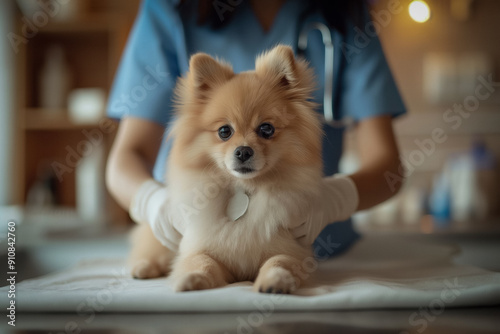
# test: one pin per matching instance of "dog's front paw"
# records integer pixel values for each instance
(276, 280)
(145, 269)
(193, 281)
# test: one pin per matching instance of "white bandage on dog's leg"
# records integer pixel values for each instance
(148, 206)
(340, 198)
(147, 201)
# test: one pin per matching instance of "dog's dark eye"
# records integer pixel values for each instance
(225, 132)
(265, 130)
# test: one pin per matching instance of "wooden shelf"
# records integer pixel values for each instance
(93, 24)
(52, 119)
(92, 42)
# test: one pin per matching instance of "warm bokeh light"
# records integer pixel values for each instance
(419, 11)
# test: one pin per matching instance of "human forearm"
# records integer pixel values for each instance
(132, 158)
(379, 157)
(124, 175)
(372, 183)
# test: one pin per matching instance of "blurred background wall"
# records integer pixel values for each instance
(438, 65)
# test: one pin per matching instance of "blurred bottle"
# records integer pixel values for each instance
(413, 205)
(42, 194)
(473, 184)
(486, 178)
(440, 198)
(66, 11)
(55, 80)
(90, 189)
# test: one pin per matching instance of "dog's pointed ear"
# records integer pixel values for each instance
(279, 63)
(208, 73)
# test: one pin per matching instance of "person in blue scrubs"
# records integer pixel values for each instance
(167, 32)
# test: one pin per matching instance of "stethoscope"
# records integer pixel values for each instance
(326, 34)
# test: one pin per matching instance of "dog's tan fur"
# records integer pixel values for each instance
(215, 251)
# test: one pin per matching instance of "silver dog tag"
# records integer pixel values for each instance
(238, 205)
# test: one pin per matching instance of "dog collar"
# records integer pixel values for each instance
(238, 205)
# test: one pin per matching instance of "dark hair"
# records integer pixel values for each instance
(339, 14)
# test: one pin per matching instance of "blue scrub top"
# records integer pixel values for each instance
(162, 40)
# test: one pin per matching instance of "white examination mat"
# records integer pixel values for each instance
(378, 272)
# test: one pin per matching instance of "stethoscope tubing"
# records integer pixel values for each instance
(327, 37)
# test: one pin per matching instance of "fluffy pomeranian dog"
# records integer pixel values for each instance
(253, 135)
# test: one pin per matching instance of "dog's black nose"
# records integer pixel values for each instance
(243, 153)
